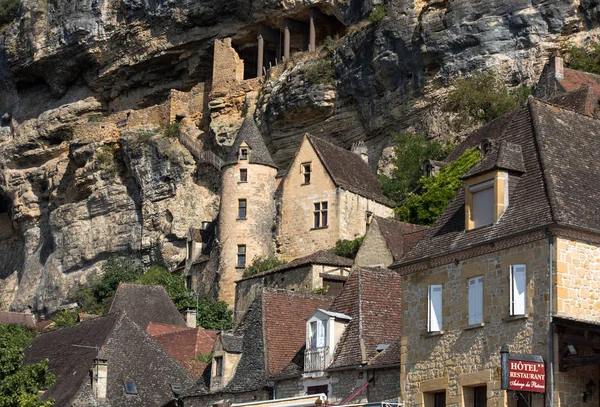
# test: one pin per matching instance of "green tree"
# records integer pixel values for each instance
(65, 318)
(347, 248)
(585, 59)
(173, 284)
(483, 97)
(409, 153)
(436, 191)
(214, 314)
(20, 384)
(262, 263)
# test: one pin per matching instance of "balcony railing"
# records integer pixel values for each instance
(316, 359)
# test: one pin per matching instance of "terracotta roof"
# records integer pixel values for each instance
(22, 318)
(320, 257)
(574, 79)
(259, 153)
(185, 345)
(583, 100)
(560, 149)
(144, 304)
(131, 355)
(349, 171)
(155, 329)
(400, 237)
(372, 297)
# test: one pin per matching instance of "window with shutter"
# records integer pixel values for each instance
(475, 300)
(518, 283)
(434, 309)
(483, 204)
(321, 334)
(313, 335)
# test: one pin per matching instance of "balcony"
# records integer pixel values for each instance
(317, 359)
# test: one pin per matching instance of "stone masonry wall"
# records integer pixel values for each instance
(228, 67)
(577, 278)
(461, 358)
(255, 231)
(297, 236)
(225, 399)
(352, 214)
(373, 250)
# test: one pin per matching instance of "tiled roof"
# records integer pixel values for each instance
(573, 79)
(144, 304)
(155, 329)
(349, 171)
(583, 100)
(232, 343)
(320, 257)
(560, 149)
(285, 313)
(185, 345)
(259, 153)
(502, 155)
(17, 318)
(131, 355)
(372, 297)
(387, 357)
(399, 236)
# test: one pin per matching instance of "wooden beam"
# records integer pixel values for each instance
(579, 340)
(574, 361)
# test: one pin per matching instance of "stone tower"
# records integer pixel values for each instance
(247, 209)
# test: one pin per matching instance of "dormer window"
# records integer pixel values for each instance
(243, 153)
(486, 199)
(318, 334)
(482, 211)
(323, 330)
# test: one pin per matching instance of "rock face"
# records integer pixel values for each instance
(75, 189)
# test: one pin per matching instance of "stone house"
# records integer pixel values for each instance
(351, 351)
(512, 260)
(306, 274)
(326, 195)
(387, 241)
(107, 361)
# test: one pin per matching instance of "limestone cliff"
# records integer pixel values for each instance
(81, 81)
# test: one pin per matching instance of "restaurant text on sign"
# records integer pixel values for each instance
(527, 376)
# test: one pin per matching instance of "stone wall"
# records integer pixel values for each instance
(190, 104)
(463, 356)
(228, 67)
(255, 231)
(374, 250)
(353, 211)
(225, 399)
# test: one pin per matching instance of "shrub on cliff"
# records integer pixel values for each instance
(378, 13)
(9, 9)
(409, 153)
(20, 384)
(262, 263)
(585, 59)
(436, 191)
(320, 71)
(482, 97)
(347, 248)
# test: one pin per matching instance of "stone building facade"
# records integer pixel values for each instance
(515, 265)
(247, 208)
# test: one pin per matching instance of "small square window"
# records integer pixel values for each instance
(243, 175)
(306, 170)
(242, 209)
(130, 387)
(320, 215)
(241, 256)
(243, 153)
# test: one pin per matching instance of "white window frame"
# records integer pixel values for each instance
(320, 335)
(434, 308)
(518, 279)
(475, 299)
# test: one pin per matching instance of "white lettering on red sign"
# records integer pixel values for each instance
(527, 376)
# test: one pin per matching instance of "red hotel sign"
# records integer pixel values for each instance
(526, 376)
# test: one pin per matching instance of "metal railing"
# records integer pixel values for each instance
(316, 359)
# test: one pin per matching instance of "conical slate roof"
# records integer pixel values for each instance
(259, 153)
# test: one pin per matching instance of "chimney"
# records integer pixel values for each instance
(361, 149)
(190, 317)
(100, 379)
(556, 66)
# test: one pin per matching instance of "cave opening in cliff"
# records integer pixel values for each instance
(4, 204)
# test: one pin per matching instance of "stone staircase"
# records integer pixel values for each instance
(203, 156)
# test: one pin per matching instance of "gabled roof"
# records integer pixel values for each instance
(131, 354)
(336, 315)
(372, 297)
(349, 171)
(320, 257)
(232, 343)
(560, 149)
(501, 155)
(144, 304)
(259, 153)
(400, 237)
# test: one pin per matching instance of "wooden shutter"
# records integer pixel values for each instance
(475, 300)
(435, 308)
(518, 283)
(321, 334)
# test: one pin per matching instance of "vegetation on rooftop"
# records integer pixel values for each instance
(410, 151)
(585, 58)
(436, 191)
(347, 248)
(481, 98)
(20, 384)
(262, 263)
